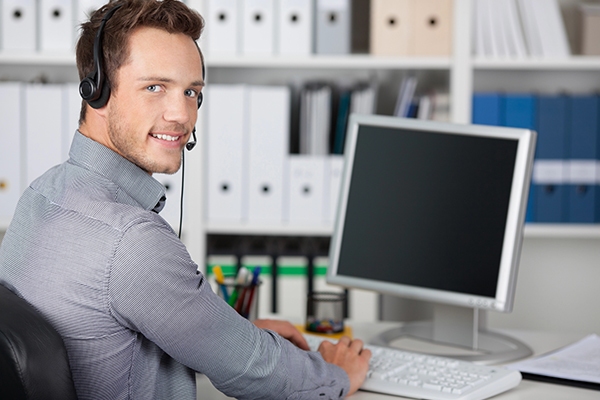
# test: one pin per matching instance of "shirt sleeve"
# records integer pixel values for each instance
(155, 289)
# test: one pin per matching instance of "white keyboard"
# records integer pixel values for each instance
(420, 376)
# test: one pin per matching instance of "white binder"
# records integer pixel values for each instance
(258, 27)
(172, 184)
(306, 190)
(56, 25)
(268, 138)
(225, 151)
(43, 129)
(222, 27)
(333, 35)
(292, 287)
(18, 27)
(333, 182)
(10, 151)
(295, 25)
(71, 111)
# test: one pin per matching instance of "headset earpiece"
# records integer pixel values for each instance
(93, 88)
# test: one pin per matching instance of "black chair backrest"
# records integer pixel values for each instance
(33, 358)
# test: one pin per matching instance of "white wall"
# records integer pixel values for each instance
(558, 287)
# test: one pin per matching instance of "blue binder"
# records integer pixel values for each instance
(520, 111)
(552, 144)
(487, 109)
(584, 197)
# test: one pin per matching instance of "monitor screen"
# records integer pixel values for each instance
(432, 211)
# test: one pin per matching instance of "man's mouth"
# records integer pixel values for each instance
(168, 138)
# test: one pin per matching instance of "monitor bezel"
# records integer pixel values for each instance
(511, 249)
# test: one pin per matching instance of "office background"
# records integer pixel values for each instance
(560, 261)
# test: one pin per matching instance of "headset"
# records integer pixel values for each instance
(95, 90)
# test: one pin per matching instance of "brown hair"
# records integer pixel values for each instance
(172, 16)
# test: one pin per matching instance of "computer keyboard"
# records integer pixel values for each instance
(420, 376)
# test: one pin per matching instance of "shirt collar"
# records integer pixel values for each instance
(134, 181)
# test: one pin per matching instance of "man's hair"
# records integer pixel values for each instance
(172, 16)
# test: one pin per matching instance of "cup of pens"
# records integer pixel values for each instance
(240, 291)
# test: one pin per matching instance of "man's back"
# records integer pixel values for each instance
(58, 255)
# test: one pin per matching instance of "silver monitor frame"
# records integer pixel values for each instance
(452, 306)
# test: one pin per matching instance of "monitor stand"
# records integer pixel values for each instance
(462, 328)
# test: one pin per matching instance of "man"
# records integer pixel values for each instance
(88, 249)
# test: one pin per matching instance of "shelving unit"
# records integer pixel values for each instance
(461, 74)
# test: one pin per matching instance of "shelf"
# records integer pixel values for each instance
(574, 63)
(358, 61)
(268, 229)
(353, 61)
(560, 231)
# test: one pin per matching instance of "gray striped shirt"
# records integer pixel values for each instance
(85, 248)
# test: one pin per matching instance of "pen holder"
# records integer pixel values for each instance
(243, 298)
(325, 312)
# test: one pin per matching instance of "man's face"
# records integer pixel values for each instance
(153, 106)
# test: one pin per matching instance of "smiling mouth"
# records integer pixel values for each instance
(168, 138)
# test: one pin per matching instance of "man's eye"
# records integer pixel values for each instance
(191, 93)
(153, 88)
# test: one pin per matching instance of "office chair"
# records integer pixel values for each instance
(33, 358)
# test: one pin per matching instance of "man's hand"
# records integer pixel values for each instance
(350, 356)
(285, 329)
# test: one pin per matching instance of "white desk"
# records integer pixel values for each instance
(540, 342)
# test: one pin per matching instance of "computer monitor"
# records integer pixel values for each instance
(435, 211)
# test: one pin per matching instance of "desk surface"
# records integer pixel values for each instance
(540, 342)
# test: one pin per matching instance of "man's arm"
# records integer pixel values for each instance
(347, 353)
(154, 289)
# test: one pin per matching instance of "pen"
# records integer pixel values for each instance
(240, 280)
(220, 278)
(253, 285)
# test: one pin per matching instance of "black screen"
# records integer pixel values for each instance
(427, 209)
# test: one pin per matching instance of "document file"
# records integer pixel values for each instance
(268, 143)
(391, 27)
(583, 197)
(258, 27)
(295, 24)
(222, 21)
(10, 151)
(432, 28)
(172, 184)
(550, 167)
(333, 180)
(19, 26)
(315, 118)
(488, 108)
(306, 193)
(225, 152)
(292, 286)
(72, 110)
(332, 29)
(520, 111)
(56, 25)
(43, 129)
(544, 27)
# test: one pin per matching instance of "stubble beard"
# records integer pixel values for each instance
(126, 146)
